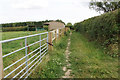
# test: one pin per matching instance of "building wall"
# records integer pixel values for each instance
(55, 25)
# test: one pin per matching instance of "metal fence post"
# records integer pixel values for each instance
(26, 54)
(55, 35)
(40, 46)
(1, 62)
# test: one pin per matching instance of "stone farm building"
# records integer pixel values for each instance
(54, 25)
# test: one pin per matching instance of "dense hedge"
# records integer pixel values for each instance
(102, 29)
(6, 29)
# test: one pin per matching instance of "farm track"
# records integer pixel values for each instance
(67, 53)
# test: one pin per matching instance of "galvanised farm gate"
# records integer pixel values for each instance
(30, 62)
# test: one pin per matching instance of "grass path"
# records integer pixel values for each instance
(88, 61)
(67, 53)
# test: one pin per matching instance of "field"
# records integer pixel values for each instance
(11, 46)
(14, 45)
(89, 61)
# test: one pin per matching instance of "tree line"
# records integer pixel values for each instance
(23, 24)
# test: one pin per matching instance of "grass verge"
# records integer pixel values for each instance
(51, 66)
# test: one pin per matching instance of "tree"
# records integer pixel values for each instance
(104, 6)
(58, 20)
(69, 25)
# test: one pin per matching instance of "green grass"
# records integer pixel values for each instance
(88, 61)
(14, 45)
(9, 35)
(51, 66)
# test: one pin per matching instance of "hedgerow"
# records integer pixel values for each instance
(6, 29)
(103, 29)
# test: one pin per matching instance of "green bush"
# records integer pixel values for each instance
(45, 27)
(102, 29)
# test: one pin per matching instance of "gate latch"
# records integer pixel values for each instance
(50, 44)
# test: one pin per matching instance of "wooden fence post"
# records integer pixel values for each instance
(1, 62)
(63, 31)
(59, 33)
(50, 46)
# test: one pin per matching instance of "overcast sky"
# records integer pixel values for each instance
(37, 10)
